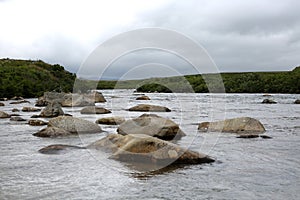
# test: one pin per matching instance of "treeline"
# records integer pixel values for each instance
(29, 78)
(246, 82)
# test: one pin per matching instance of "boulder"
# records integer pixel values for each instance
(17, 119)
(241, 125)
(74, 100)
(2, 104)
(30, 109)
(152, 125)
(74, 125)
(143, 97)
(41, 102)
(36, 122)
(4, 115)
(142, 148)
(51, 131)
(15, 110)
(94, 110)
(149, 108)
(19, 102)
(297, 101)
(3, 99)
(110, 120)
(268, 101)
(53, 109)
(58, 148)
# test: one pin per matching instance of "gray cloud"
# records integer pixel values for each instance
(257, 35)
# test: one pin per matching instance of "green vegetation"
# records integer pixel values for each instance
(246, 82)
(29, 78)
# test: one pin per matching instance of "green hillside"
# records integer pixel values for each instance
(29, 78)
(244, 82)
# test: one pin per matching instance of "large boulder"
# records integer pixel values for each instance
(30, 109)
(241, 125)
(146, 149)
(51, 131)
(297, 101)
(4, 115)
(74, 125)
(153, 125)
(268, 101)
(143, 97)
(149, 108)
(94, 110)
(74, 100)
(53, 109)
(110, 120)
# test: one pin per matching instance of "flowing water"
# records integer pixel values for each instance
(244, 169)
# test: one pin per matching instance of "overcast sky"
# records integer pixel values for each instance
(256, 35)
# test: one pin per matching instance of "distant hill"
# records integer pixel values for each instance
(241, 82)
(29, 78)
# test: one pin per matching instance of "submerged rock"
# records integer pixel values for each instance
(58, 148)
(153, 125)
(4, 115)
(268, 101)
(2, 104)
(53, 109)
(149, 108)
(19, 102)
(30, 109)
(74, 125)
(110, 120)
(146, 149)
(143, 97)
(94, 110)
(15, 110)
(242, 125)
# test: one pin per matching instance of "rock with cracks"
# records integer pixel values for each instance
(152, 125)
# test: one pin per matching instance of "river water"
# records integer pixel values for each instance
(244, 169)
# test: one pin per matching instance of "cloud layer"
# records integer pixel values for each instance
(238, 35)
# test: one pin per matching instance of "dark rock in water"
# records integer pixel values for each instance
(53, 109)
(152, 125)
(35, 116)
(15, 110)
(268, 101)
(94, 110)
(58, 148)
(267, 95)
(297, 101)
(74, 125)
(17, 119)
(36, 122)
(19, 102)
(241, 126)
(3, 99)
(52, 132)
(41, 102)
(248, 136)
(144, 97)
(15, 98)
(149, 108)
(265, 137)
(4, 115)
(14, 115)
(30, 109)
(146, 149)
(110, 120)
(2, 104)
